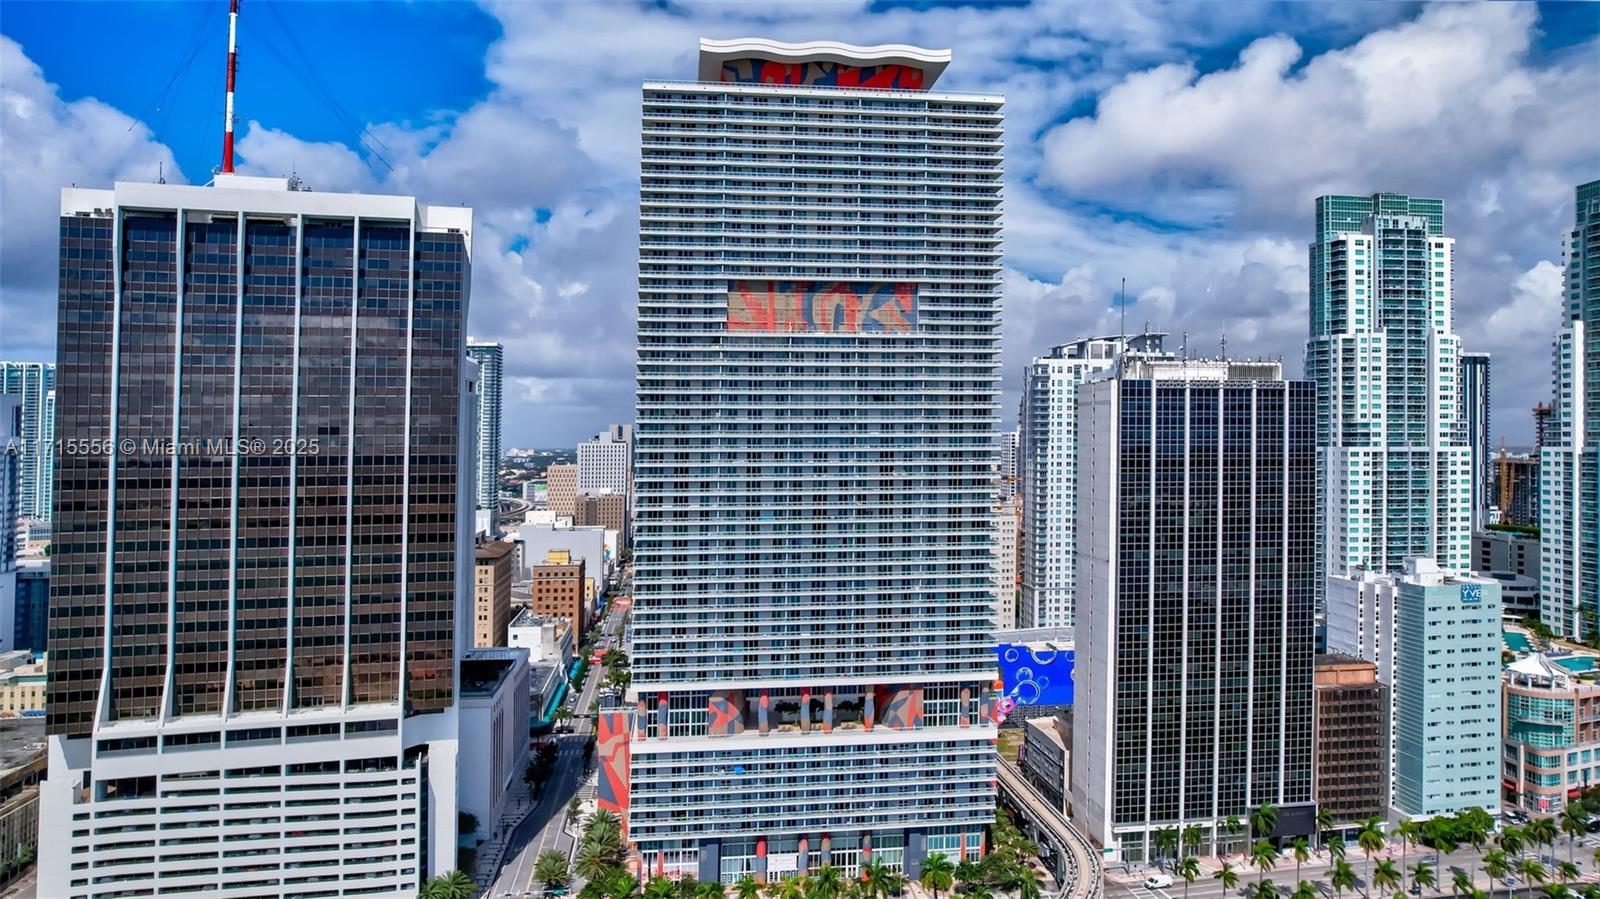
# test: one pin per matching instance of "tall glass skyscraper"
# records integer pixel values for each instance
(1569, 461)
(491, 371)
(1396, 476)
(1196, 598)
(1473, 378)
(815, 463)
(261, 549)
(34, 385)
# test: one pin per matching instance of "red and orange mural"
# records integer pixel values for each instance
(611, 743)
(838, 307)
(828, 74)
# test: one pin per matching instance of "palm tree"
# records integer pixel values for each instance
(1188, 869)
(1193, 837)
(747, 887)
(1232, 825)
(1543, 831)
(1386, 876)
(1422, 876)
(1498, 866)
(621, 885)
(574, 808)
(1166, 841)
(1264, 820)
(937, 874)
(1462, 883)
(1324, 823)
(711, 889)
(1341, 876)
(660, 888)
(1558, 891)
(1268, 890)
(454, 885)
(1568, 871)
(1408, 831)
(1029, 885)
(1302, 854)
(1226, 875)
(1574, 823)
(792, 888)
(1370, 839)
(1532, 870)
(1265, 857)
(593, 860)
(968, 872)
(826, 883)
(874, 877)
(551, 869)
(1304, 890)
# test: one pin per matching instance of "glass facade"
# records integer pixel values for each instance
(814, 465)
(1396, 476)
(1196, 602)
(34, 383)
(491, 373)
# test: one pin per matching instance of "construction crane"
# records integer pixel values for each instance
(1508, 489)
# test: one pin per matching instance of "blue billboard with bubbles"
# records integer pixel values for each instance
(1034, 675)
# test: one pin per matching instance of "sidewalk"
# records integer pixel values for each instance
(491, 854)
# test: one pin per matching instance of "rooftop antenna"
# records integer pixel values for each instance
(1185, 347)
(1122, 304)
(161, 171)
(1224, 346)
(233, 67)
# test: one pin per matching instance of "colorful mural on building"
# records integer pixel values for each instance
(836, 307)
(611, 785)
(822, 74)
(1033, 676)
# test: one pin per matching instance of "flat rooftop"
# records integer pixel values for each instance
(21, 741)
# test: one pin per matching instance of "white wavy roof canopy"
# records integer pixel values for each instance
(713, 53)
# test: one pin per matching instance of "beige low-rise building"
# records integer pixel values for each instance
(22, 683)
(494, 572)
(561, 489)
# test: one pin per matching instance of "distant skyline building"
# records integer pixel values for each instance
(262, 562)
(34, 384)
(1473, 376)
(561, 489)
(1009, 442)
(1434, 635)
(604, 463)
(1007, 522)
(1569, 462)
(1047, 436)
(1396, 478)
(815, 463)
(1196, 602)
(10, 502)
(491, 376)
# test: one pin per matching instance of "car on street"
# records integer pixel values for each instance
(1157, 881)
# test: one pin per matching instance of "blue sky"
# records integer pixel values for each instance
(1177, 145)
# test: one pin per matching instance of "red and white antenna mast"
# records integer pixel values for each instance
(233, 66)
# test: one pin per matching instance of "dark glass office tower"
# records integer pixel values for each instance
(1196, 571)
(261, 474)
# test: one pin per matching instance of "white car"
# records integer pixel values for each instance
(1157, 881)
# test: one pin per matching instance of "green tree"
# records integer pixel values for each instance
(574, 810)
(710, 890)
(1167, 840)
(1302, 854)
(1264, 820)
(1423, 876)
(1558, 891)
(1386, 875)
(1189, 869)
(660, 888)
(1029, 886)
(466, 822)
(594, 860)
(1324, 823)
(937, 874)
(551, 869)
(874, 873)
(792, 888)
(1567, 872)
(1304, 890)
(1371, 840)
(1341, 876)
(454, 885)
(1497, 864)
(1232, 826)
(1336, 846)
(1227, 876)
(1532, 870)
(747, 887)
(968, 874)
(1193, 839)
(1574, 823)
(1544, 832)
(1265, 857)
(1408, 831)
(826, 883)
(1462, 882)
(620, 884)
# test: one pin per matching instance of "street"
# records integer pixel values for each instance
(545, 827)
(1315, 871)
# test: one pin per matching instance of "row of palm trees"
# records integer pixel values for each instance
(1006, 869)
(1507, 857)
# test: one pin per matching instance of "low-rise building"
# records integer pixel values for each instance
(1512, 558)
(493, 711)
(561, 488)
(547, 686)
(22, 684)
(1046, 757)
(558, 587)
(1350, 739)
(493, 575)
(22, 766)
(1551, 747)
(603, 509)
(546, 638)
